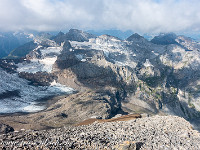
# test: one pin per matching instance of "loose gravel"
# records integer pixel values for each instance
(157, 132)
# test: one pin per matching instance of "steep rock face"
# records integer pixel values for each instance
(59, 38)
(89, 69)
(38, 78)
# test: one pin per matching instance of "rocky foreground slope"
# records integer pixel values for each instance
(158, 132)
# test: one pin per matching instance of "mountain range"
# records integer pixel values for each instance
(12, 40)
(103, 76)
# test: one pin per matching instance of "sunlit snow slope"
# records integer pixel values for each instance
(16, 95)
(45, 63)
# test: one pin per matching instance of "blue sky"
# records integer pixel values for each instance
(143, 16)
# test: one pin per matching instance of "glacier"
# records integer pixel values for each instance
(29, 96)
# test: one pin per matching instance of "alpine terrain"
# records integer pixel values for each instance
(63, 80)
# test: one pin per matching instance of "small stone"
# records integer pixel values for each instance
(144, 115)
(127, 145)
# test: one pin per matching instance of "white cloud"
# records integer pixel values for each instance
(136, 15)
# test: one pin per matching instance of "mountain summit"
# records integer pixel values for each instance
(165, 39)
(135, 36)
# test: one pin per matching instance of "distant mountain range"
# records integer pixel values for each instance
(14, 41)
(10, 41)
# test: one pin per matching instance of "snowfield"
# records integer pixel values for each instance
(28, 97)
(48, 58)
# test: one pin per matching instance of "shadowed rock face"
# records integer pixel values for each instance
(134, 37)
(22, 50)
(9, 41)
(5, 129)
(107, 87)
(165, 39)
(39, 78)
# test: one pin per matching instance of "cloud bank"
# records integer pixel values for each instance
(144, 16)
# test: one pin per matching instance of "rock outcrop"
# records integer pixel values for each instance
(39, 78)
(72, 35)
(4, 128)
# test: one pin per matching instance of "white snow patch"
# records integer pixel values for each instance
(83, 60)
(48, 58)
(29, 95)
(148, 63)
(60, 88)
(56, 50)
(79, 56)
(106, 53)
(33, 108)
(47, 63)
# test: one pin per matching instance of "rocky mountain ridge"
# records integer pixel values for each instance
(10, 41)
(155, 72)
(117, 76)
